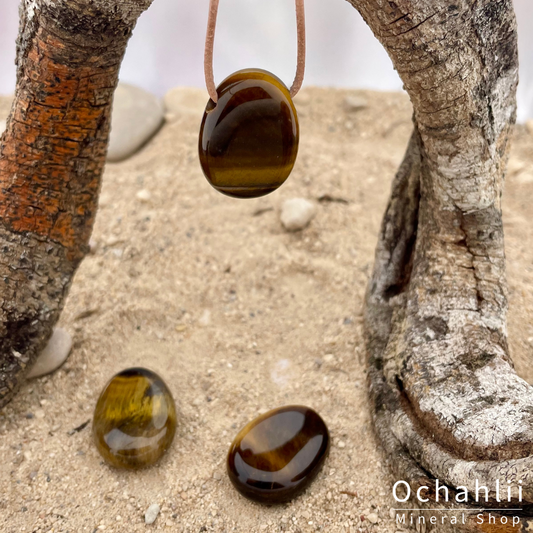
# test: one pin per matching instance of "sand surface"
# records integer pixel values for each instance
(239, 317)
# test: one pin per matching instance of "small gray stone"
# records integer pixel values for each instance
(137, 115)
(296, 213)
(354, 103)
(54, 354)
(186, 101)
(151, 513)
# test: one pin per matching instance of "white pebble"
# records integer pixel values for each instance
(144, 195)
(296, 213)
(151, 513)
(354, 103)
(341, 444)
(205, 319)
(104, 200)
(54, 354)
(373, 518)
(113, 240)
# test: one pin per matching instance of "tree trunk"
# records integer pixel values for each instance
(52, 156)
(447, 403)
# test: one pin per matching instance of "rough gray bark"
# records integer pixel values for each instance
(447, 401)
(52, 156)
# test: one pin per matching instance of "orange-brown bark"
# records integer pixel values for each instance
(52, 155)
(54, 149)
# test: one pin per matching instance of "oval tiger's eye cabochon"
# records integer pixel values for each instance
(134, 419)
(277, 455)
(249, 140)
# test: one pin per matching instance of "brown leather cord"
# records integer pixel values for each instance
(300, 68)
(208, 55)
(210, 40)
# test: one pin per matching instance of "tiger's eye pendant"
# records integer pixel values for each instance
(249, 139)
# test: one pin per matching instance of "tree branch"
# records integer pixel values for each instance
(52, 155)
(445, 395)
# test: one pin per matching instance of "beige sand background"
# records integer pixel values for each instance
(239, 317)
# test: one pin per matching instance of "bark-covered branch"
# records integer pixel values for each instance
(446, 399)
(52, 156)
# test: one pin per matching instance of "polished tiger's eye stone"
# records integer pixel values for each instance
(249, 139)
(134, 419)
(277, 455)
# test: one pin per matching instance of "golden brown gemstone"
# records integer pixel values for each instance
(134, 419)
(277, 455)
(249, 139)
